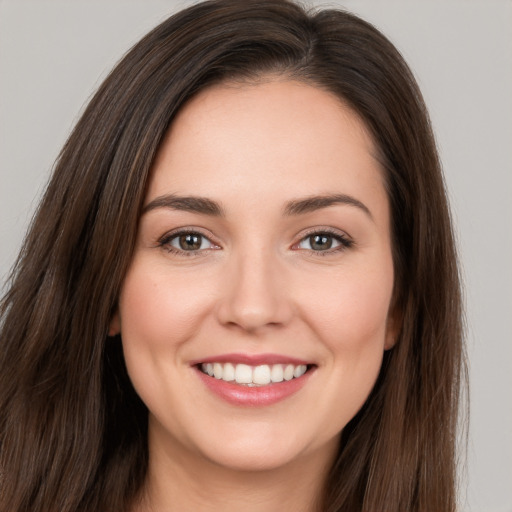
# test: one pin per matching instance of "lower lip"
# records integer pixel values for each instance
(257, 396)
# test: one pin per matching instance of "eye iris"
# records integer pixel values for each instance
(190, 242)
(320, 242)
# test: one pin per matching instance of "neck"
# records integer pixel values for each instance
(179, 481)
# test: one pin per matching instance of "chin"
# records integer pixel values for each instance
(260, 453)
(253, 460)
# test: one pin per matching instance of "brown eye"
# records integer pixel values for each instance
(190, 242)
(320, 242)
(324, 242)
(187, 241)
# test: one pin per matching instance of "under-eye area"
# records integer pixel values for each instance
(252, 376)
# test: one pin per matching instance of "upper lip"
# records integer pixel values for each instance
(252, 359)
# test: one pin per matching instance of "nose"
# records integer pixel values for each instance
(256, 295)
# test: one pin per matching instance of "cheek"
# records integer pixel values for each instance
(159, 313)
(158, 310)
(351, 313)
(350, 320)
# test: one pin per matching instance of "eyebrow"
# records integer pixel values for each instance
(313, 203)
(186, 203)
(206, 206)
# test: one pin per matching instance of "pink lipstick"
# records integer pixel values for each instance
(253, 380)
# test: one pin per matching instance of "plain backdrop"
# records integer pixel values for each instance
(53, 55)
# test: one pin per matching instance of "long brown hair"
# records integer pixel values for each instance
(73, 432)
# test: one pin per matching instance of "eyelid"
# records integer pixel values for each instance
(164, 240)
(345, 240)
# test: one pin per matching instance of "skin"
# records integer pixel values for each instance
(257, 286)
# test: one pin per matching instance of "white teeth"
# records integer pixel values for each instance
(260, 375)
(276, 374)
(217, 370)
(243, 374)
(299, 370)
(288, 372)
(229, 372)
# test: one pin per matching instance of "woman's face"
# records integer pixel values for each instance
(263, 252)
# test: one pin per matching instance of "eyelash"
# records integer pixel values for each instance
(344, 241)
(166, 240)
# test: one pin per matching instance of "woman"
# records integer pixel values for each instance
(240, 288)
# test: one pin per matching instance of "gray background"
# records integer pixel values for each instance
(53, 54)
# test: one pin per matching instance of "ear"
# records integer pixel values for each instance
(114, 327)
(393, 327)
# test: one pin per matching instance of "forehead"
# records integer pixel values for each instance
(265, 140)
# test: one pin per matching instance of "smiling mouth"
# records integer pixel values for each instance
(254, 376)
